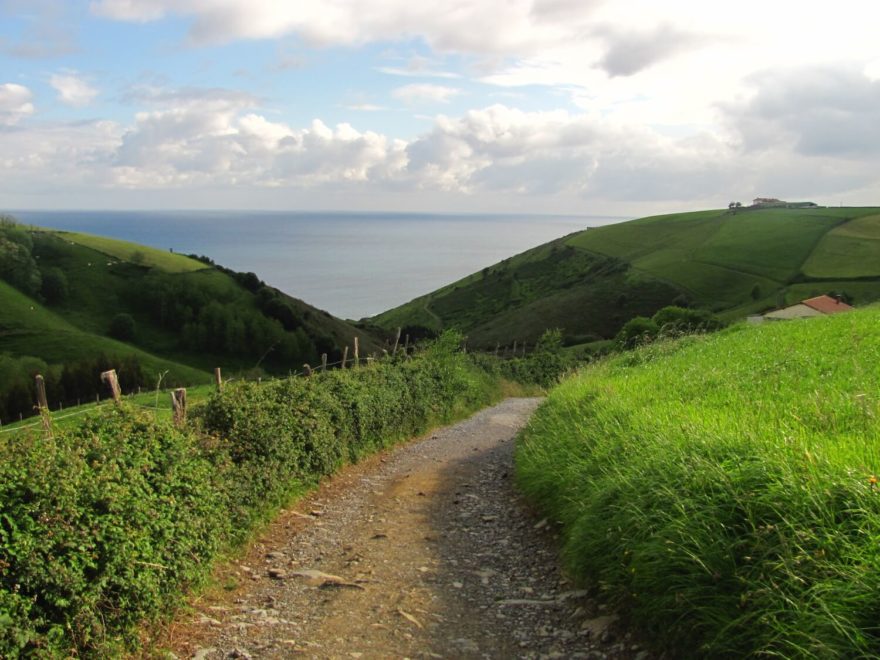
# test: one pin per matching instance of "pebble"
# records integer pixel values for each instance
(485, 583)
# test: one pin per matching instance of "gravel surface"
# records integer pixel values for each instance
(425, 551)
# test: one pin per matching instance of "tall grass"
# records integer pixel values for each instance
(722, 489)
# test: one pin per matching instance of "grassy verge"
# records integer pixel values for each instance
(723, 489)
(106, 523)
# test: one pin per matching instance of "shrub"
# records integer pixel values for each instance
(122, 327)
(680, 320)
(637, 330)
(55, 288)
(104, 524)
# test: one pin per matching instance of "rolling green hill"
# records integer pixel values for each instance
(591, 282)
(72, 303)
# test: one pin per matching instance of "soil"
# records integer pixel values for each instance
(424, 551)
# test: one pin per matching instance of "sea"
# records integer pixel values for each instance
(353, 265)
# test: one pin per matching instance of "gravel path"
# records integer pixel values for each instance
(425, 551)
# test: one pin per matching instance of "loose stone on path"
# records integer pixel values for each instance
(425, 551)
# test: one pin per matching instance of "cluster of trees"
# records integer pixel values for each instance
(17, 264)
(219, 319)
(669, 321)
(70, 383)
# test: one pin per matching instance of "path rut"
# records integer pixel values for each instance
(424, 551)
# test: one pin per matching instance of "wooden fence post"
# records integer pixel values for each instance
(42, 403)
(396, 341)
(110, 378)
(357, 357)
(406, 344)
(514, 348)
(178, 405)
(525, 343)
(344, 356)
(218, 379)
(323, 362)
(307, 369)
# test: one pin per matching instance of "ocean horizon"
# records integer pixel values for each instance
(351, 264)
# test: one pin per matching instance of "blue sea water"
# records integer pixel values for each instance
(352, 265)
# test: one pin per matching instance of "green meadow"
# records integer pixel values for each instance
(592, 282)
(722, 490)
(72, 305)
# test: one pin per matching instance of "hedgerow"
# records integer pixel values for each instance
(105, 525)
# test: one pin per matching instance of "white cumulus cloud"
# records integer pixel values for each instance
(425, 93)
(72, 90)
(15, 103)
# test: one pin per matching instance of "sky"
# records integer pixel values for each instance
(621, 107)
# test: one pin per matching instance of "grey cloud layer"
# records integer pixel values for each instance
(630, 52)
(801, 133)
(818, 111)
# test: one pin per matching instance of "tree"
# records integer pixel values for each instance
(638, 329)
(17, 265)
(54, 288)
(122, 327)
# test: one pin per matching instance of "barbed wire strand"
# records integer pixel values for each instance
(155, 407)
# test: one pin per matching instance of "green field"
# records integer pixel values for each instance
(850, 250)
(722, 490)
(73, 304)
(133, 252)
(733, 264)
(28, 328)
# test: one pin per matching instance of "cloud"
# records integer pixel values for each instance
(467, 27)
(15, 103)
(72, 90)
(418, 67)
(630, 52)
(831, 111)
(425, 93)
(216, 140)
(365, 107)
(165, 96)
(47, 29)
(417, 73)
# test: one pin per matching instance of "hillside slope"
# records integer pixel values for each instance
(72, 304)
(186, 308)
(591, 282)
(722, 489)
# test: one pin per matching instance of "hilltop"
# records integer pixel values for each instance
(72, 303)
(732, 262)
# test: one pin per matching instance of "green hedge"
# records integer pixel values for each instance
(106, 524)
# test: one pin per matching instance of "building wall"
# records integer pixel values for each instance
(799, 311)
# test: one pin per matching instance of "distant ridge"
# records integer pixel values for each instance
(724, 260)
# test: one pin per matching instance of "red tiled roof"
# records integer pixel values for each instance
(827, 305)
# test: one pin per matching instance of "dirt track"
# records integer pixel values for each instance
(425, 551)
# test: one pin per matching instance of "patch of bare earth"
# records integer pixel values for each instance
(425, 551)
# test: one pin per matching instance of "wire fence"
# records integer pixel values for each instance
(89, 408)
(354, 360)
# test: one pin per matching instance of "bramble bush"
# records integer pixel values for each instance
(104, 525)
(544, 366)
